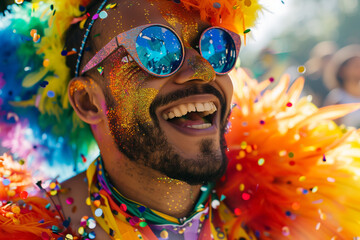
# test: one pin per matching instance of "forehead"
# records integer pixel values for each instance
(130, 14)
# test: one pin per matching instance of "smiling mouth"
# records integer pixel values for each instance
(199, 115)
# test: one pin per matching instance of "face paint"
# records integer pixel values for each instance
(202, 69)
(132, 100)
(177, 16)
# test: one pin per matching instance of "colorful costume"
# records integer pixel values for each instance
(292, 174)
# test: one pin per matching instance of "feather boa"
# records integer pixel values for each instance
(293, 173)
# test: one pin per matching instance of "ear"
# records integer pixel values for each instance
(87, 99)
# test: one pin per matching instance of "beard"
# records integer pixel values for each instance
(147, 144)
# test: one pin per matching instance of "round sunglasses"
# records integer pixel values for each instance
(159, 51)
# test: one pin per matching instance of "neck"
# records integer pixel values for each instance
(150, 188)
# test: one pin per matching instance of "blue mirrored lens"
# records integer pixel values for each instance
(218, 48)
(159, 50)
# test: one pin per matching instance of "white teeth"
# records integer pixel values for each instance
(177, 112)
(191, 107)
(183, 109)
(205, 108)
(165, 116)
(171, 115)
(200, 126)
(199, 107)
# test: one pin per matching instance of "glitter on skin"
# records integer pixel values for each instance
(174, 16)
(202, 69)
(132, 99)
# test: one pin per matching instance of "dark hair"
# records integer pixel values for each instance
(75, 35)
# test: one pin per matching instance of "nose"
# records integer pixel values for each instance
(194, 69)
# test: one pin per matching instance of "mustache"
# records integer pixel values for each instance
(162, 100)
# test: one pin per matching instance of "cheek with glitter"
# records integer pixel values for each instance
(132, 100)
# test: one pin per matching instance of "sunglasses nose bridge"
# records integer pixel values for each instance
(195, 68)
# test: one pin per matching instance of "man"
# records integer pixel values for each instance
(154, 89)
(157, 160)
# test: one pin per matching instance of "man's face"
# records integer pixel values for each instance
(175, 124)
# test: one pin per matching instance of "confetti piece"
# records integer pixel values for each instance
(215, 203)
(81, 230)
(330, 179)
(70, 200)
(238, 167)
(6, 182)
(82, 8)
(96, 35)
(324, 158)
(63, 53)
(92, 235)
(286, 231)
(97, 203)
(242, 187)
(248, 3)
(222, 198)
(111, 5)
(96, 16)
(301, 69)
(98, 212)
(164, 234)
(217, 5)
(289, 104)
(302, 178)
(245, 196)
(237, 211)
(103, 15)
(317, 201)
(83, 158)
(69, 237)
(88, 201)
(33, 32)
(36, 38)
(261, 161)
(91, 223)
(123, 207)
(24, 194)
(142, 209)
(262, 122)
(143, 224)
(247, 31)
(52, 185)
(271, 79)
(291, 154)
(314, 189)
(100, 70)
(203, 188)
(19, 1)
(21, 161)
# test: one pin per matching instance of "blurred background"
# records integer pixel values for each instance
(317, 39)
